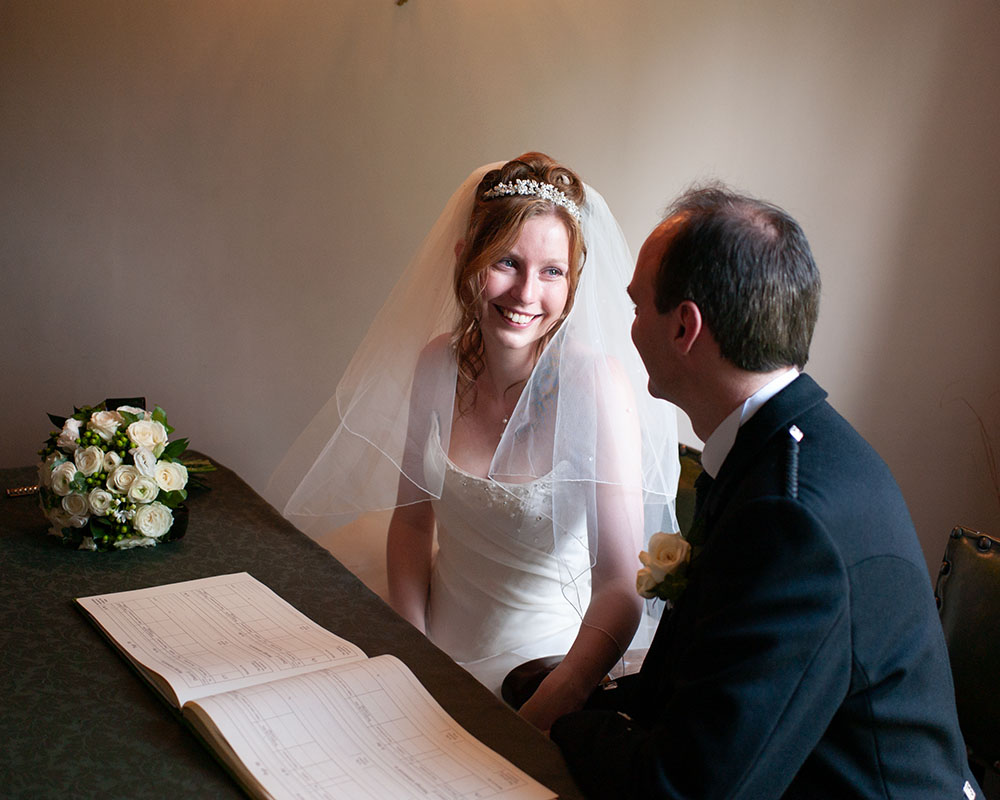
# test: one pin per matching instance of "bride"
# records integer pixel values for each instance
(498, 406)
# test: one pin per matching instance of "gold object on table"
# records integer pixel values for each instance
(22, 491)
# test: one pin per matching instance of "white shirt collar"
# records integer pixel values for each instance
(721, 440)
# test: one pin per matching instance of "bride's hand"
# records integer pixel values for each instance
(559, 693)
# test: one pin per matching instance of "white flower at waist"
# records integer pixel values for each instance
(664, 565)
(153, 520)
(171, 476)
(148, 433)
(89, 460)
(69, 435)
(62, 477)
(104, 423)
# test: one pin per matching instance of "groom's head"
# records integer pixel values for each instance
(730, 265)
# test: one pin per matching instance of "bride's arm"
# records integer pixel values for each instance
(615, 607)
(609, 623)
(410, 540)
(408, 561)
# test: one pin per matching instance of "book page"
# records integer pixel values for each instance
(200, 637)
(367, 730)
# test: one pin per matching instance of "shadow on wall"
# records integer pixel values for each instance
(944, 292)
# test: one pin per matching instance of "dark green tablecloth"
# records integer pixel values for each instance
(78, 722)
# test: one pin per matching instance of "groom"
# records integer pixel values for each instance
(804, 658)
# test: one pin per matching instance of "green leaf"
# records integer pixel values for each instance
(128, 417)
(57, 421)
(671, 587)
(100, 524)
(173, 451)
(196, 483)
(198, 465)
(159, 415)
(79, 483)
(172, 499)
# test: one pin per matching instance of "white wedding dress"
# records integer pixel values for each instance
(498, 594)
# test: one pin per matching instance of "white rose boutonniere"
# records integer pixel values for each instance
(111, 479)
(664, 567)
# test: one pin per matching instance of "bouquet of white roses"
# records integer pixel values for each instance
(111, 479)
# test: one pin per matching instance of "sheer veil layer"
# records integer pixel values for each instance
(584, 420)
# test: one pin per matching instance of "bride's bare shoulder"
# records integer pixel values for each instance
(437, 352)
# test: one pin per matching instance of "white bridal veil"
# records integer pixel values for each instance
(364, 452)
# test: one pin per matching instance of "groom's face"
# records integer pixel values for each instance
(650, 328)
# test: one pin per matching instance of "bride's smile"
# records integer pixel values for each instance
(526, 290)
(515, 317)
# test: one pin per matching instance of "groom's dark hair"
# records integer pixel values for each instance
(748, 267)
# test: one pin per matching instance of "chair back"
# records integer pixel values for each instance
(968, 598)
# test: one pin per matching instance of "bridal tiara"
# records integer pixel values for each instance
(526, 187)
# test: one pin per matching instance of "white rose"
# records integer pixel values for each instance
(111, 461)
(143, 490)
(148, 433)
(645, 583)
(105, 423)
(171, 476)
(69, 434)
(144, 461)
(153, 520)
(62, 477)
(44, 476)
(89, 460)
(122, 478)
(141, 413)
(667, 552)
(134, 541)
(75, 505)
(60, 519)
(46, 467)
(100, 501)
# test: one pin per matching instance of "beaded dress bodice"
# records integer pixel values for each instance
(496, 585)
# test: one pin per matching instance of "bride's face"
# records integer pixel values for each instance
(526, 289)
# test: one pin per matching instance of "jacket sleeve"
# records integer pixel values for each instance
(742, 684)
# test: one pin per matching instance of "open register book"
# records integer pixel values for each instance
(291, 709)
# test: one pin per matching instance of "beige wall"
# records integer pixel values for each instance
(206, 202)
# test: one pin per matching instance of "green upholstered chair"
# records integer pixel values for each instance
(968, 597)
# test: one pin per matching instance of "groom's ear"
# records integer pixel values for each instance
(689, 326)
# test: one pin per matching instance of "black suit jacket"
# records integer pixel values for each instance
(805, 658)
